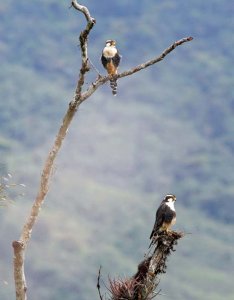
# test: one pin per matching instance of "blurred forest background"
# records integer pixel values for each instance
(169, 130)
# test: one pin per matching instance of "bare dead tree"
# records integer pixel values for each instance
(80, 96)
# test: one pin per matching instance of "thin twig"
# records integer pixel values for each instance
(98, 283)
(84, 10)
(93, 66)
(157, 59)
(84, 51)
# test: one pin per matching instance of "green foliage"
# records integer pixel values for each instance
(170, 129)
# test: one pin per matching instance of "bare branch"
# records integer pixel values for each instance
(47, 170)
(103, 79)
(155, 60)
(20, 282)
(84, 50)
(84, 10)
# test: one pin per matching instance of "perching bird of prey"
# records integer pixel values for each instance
(110, 60)
(165, 216)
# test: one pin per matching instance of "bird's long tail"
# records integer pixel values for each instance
(113, 85)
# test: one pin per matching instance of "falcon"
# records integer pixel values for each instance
(165, 217)
(110, 60)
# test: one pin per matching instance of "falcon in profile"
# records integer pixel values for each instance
(165, 217)
(110, 60)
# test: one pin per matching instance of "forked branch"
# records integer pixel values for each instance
(103, 79)
(21, 245)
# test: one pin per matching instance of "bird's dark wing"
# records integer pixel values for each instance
(161, 214)
(160, 218)
(105, 60)
(116, 59)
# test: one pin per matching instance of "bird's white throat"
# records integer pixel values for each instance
(171, 205)
(109, 51)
